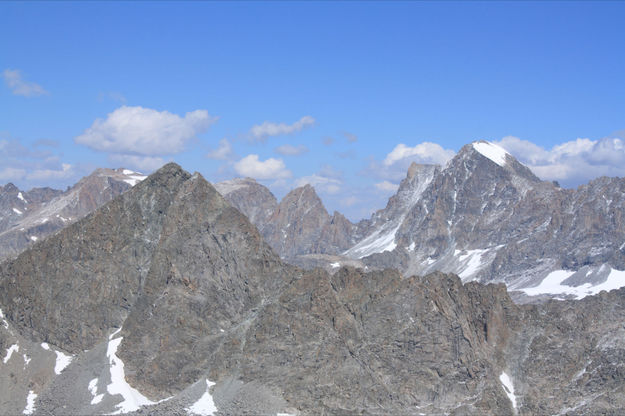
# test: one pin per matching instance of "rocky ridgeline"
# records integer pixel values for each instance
(168, 292)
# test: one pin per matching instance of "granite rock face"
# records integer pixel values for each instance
(169, 288)
(299, 225)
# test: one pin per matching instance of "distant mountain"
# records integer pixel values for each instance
(26, 217)
(299, 225)
(484, 216)
(166, 300)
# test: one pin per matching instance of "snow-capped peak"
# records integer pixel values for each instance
(495, 153)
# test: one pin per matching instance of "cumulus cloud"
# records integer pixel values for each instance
(223, 151)
(145, 164)
(271, 168)
(66, 171)
(386, 186)
(426, 152)
(33, 164)
(321, 183)
(37, 175)
(573, 162)
(260, 132)
(19, 86)
(395, 165)
(144, 131)
(289, 150)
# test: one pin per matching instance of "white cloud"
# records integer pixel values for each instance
(395, 165)
(573, 162)
(41, 175)
(223, 151)
(66, 171)
(289, 150)
(426, 152)
(321, 183)
(386, 186)
(144, 131)
(260, 132)
(8, 174)
(145, 164)
(14, 80)
(257, 169)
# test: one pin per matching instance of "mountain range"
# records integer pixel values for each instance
(169, 295)
(168, 300)
(484, 216)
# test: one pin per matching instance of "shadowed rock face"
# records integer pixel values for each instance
(91, 271)
(198, 294)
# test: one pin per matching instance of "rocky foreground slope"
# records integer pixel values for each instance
(166, 300)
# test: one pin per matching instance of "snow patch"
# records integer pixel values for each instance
(506, 382)
(20, 196)
(13, 348)
(133, 180)
(375, 243)
(93, 389)
(26, 360)
(472, 261)
(30, 403)
(17, 211)
(205, 405)
(552, 284)
(491, 151)
(128, 172)
(62, 361)
(133, 399)
(45, 346)
(335, 265)
(34, 237)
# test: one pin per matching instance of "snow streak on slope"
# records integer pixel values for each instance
(491, 151)
(553, 284)
(383, 238)
(62, 360)
(133, 400)
(30, 403)
(205, 406)
(508, 388)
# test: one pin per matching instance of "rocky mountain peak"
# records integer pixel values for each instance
(486, 158)
(249, 197)
(9, 188)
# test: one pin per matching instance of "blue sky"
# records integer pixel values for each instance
(340, 95)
